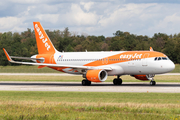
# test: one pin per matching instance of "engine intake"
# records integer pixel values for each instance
(96, 75)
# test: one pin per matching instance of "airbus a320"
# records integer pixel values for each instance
(96, 66)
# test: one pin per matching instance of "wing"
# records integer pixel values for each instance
(47, 64)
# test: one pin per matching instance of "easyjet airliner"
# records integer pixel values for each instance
(96, 66)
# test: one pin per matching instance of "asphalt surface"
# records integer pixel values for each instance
(141, 87)
(61, 74)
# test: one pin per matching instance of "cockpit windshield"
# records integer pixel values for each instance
(160, 58)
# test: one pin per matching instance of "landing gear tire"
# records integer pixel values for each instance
(117, 81)
(153, 83)
(86, 82)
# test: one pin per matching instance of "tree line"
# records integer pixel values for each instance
(24, 43)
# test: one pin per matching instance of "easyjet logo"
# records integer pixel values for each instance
(131, 56)
(41, 36)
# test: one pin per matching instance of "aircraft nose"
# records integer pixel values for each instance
(171, 66)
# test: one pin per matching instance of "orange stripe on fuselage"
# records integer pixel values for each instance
(124, 57)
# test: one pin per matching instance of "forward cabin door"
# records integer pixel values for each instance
(144, 60)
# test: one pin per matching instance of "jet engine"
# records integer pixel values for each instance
(96, 75)
(144, 77)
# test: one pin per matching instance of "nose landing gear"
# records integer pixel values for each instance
(152, 83)
(151, 77)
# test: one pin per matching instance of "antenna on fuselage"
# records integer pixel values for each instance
(151, 49)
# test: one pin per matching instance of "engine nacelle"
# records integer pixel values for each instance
(96, 75)
(144, 77)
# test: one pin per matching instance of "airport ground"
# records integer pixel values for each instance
(60, 96)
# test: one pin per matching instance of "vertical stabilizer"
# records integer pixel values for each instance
(44, 44)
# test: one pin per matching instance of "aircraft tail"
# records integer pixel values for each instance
(44, 44)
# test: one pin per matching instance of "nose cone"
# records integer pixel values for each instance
(170, 66)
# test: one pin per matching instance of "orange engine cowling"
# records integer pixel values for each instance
(96, 75)
(141, 77)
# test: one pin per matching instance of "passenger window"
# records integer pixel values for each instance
(155, 59)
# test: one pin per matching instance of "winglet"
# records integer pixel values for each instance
(151, 49)
(7, 55)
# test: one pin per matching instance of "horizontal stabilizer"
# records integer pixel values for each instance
(27, 58)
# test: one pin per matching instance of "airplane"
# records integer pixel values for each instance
(96, 66)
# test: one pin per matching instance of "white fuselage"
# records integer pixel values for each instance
(128, 65)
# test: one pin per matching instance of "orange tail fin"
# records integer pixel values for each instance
(44, 44)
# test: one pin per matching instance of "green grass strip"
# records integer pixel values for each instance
(86, 105)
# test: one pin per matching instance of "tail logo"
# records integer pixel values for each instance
(41, 36)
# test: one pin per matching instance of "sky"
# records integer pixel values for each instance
(92, 17)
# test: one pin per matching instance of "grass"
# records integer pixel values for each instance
(127, 78)
(86, 105)
(177, 69)
(26, 69)
(34, 69)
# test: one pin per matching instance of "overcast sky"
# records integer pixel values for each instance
(93, 17)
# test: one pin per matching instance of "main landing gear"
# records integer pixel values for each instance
(86, 82)
(117, 81)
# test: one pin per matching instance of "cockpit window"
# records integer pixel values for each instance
(155, 59)
(159, 58)
(164, 58)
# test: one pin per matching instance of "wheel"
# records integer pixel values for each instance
(86, 82)
(153, 83)
(115, 81)
(119, 81)
(83, 82)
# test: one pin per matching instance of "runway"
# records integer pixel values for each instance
(60, 74)
(140, 87)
